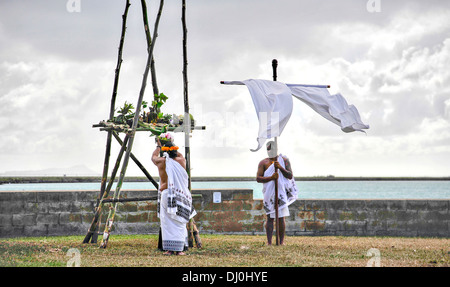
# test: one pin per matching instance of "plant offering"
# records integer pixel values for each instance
(151, 117)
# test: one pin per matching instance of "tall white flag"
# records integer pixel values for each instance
(332, 107)
(273, 104)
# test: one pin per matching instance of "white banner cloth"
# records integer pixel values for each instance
(273, 104)
(332, 107)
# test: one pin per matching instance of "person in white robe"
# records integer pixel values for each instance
(174, 207)
(287, 189)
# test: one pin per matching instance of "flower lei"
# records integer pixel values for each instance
(166, 148)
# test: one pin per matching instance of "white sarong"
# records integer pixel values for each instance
(175, 207)
(173, 232)
(287, 191)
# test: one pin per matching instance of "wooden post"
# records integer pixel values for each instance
(149, 43)
(97, 215)
(114, 95)
(277, 225)
(192, 228)
(277, 233)
(153, 75)
(274, 68)
(112, 213)
(187, 118)
(138, 163)
(92, 232)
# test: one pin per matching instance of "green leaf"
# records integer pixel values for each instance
(163, 97)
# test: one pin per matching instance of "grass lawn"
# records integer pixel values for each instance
(229, 251)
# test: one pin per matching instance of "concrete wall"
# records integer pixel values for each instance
(71, 212)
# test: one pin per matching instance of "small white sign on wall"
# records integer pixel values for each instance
(217, 197)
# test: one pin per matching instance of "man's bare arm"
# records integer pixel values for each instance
(260, 174)
(290, 175)
(287, 172)
(156, 159)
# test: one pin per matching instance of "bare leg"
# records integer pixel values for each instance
(282, 226)
(269, 230)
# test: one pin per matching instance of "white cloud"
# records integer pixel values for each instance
(50, 110)
(58, 69)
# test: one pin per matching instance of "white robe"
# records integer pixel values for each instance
(175, 207)
(287, 191)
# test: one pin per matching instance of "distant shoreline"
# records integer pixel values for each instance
(72, 179)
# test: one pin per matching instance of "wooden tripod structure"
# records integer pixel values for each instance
(126, 144)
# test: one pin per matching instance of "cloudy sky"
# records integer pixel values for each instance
(388, 58)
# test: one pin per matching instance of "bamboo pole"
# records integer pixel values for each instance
(277, 225)
(192, 228)
(152, 70)
(115, 87)
(115, 200)
(298, 85)
(138, 163)
(187, 118)
(97, 215)
(144, 127)
(116, 165)
(149, 43)
(112, 213)
(92, 234)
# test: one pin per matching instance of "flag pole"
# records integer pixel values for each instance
(277, 232)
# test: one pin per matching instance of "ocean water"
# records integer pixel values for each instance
(410, 189)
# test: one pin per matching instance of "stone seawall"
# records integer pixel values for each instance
(53, 213)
